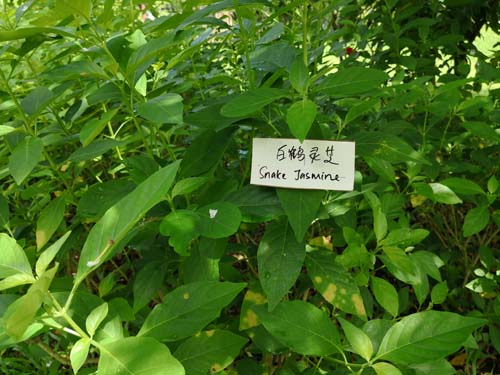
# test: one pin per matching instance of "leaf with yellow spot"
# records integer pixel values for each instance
(253, 296)
(209, 352)
(334, 283)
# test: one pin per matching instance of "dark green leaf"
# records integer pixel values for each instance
(301, 326)
(94, 149)
(483, 130)
(462, 186)
(280, 259)
(476, 220)
(301, 207)
(299, 76)
(300, 117)
(49, 220)
(257, 204)
(164, 109)
(37, 100)
(386, 295)
(219, 219)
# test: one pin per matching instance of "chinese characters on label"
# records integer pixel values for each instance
(324, 165)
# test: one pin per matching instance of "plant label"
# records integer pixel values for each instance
(287, 163)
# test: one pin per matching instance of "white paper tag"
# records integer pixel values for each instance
(323, 165)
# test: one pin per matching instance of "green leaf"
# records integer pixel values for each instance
(476, 220)
(439, 293)
(13, 260)
(462, 186)
(37, 100)
(147, 283)
(251, 101)
(301, 326)
(121, 218)
(441, 367)
(426, 336)
(257, 204)
(21, 313)
(205, 152)
(82, 8)
(164, 109)
(209, 351)
(188, 185)
(352, 82)
(49, 220)
(94, 149)
(299, 76)
(301, 207)
(493, 185)
(24, 158)
(94, 127)
(483, 130)
(188, 309)
(386, 295)
(219, 219)
(79, 353)
(48, 255)
(253, 296)
(26, 32)
(335, 284)
(384, 368)
(203, 262)
(182, 226)
(443, 194)
(405, 237)
(381, 167)
(279, 258)
(138, 356)
(300, 116)
(4, 211)
(5, 129)
(360, 342)
(95, 318)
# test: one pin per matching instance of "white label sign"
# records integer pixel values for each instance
(287, 163)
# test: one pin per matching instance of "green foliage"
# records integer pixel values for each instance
(131, 241)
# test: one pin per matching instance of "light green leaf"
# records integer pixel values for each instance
(49, 220)
(82, 8)
(335, 284)
(95, 318)
(300, 116)
(426, 336)
(203, 262)
(279, 258)
(94, 127)
(121, 218)
(164, 109)
(251, 101)
(138, 356)
(49, 254)
(79, 353)
(492, 185)
(476, 220)
(441, 367)
(21, 313)
(443, 194)
(301, 207)
(462, 186)
(209, 351)
(301, 326)
(384, 368)
(5, 129)
(405, 237)
(24, 158)
(219, 219)
(386, 295)
(188, 185)
(360, 342)
(26, 32)
(13, 260)
(182, 226)
(37, 100)
(188, 309)
(299, 76)
(439, 293)
(352, 81)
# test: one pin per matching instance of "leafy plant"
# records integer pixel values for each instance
(131, 240)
